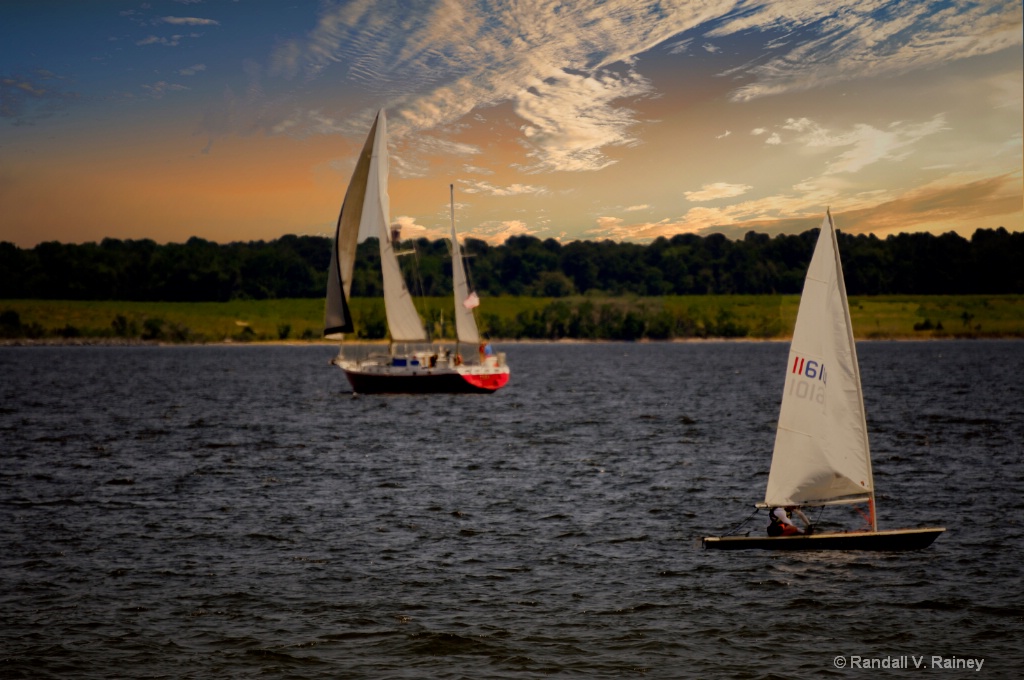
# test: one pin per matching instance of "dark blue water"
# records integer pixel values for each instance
(234, 512)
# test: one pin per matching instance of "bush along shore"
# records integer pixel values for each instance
(619, 318)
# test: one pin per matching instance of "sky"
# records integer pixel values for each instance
(240, 120)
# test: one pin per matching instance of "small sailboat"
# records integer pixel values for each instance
(822, 454)
(424, 368)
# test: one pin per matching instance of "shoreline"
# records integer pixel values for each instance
(127, 342)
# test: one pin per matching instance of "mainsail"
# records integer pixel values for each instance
(365, 213)
(465, 301)
(822, 454)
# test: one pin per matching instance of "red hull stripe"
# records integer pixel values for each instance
(487, 382)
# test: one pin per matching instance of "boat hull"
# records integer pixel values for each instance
(892, 540)
(410, 380)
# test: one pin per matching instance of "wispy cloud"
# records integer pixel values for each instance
(940, 205)
(192, 70)
(937, 206)
(570, 119)
(711, 192)
(444, 147)
(552, 61)
(480, 187)
(189, 21)
(835, 41)
(172, 41)
(29, 97)
(158, 89)
(864, 144)
(499, 232)
(304, 122)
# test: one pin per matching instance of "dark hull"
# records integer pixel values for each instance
(893, 540)
(446, 382)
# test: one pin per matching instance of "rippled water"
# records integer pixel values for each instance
(233, 512)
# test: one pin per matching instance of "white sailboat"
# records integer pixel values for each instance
(365, 213)
(822, 454)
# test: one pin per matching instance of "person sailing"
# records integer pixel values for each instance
(782, 525)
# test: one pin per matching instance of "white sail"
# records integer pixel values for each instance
(365, 213)
(337, 319)
(821, 451)
(465, 322)
(404, 323)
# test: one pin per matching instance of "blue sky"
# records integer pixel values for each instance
(625, 119)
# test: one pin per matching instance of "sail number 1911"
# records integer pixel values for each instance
(812, 386)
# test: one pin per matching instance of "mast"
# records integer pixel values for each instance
(455, 253)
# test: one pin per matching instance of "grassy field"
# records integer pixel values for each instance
(768, 316)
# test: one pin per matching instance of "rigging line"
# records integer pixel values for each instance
(747, 519)
(821, 509)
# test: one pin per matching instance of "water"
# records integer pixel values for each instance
(233, 512)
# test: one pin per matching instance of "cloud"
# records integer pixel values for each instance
(189, 21)
(571, 71)
(939, 206)
(552, 63)
(411, 230)
(443, 147)
(943, 205)
(570, 120)
(635, 208)
(31, 97)
(865, 144)
(192, 70)
(172, 41)
(680, 46)
(158, 89)
(497, 233)
(480, 187)
(717, 190)
(616, 229)
(835, 41)
(307, 122)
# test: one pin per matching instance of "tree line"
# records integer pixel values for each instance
(296, 267)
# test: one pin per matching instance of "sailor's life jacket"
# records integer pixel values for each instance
(777, 528)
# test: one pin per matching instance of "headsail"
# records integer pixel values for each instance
(822, 453)
(465, 301)
(404, 323)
